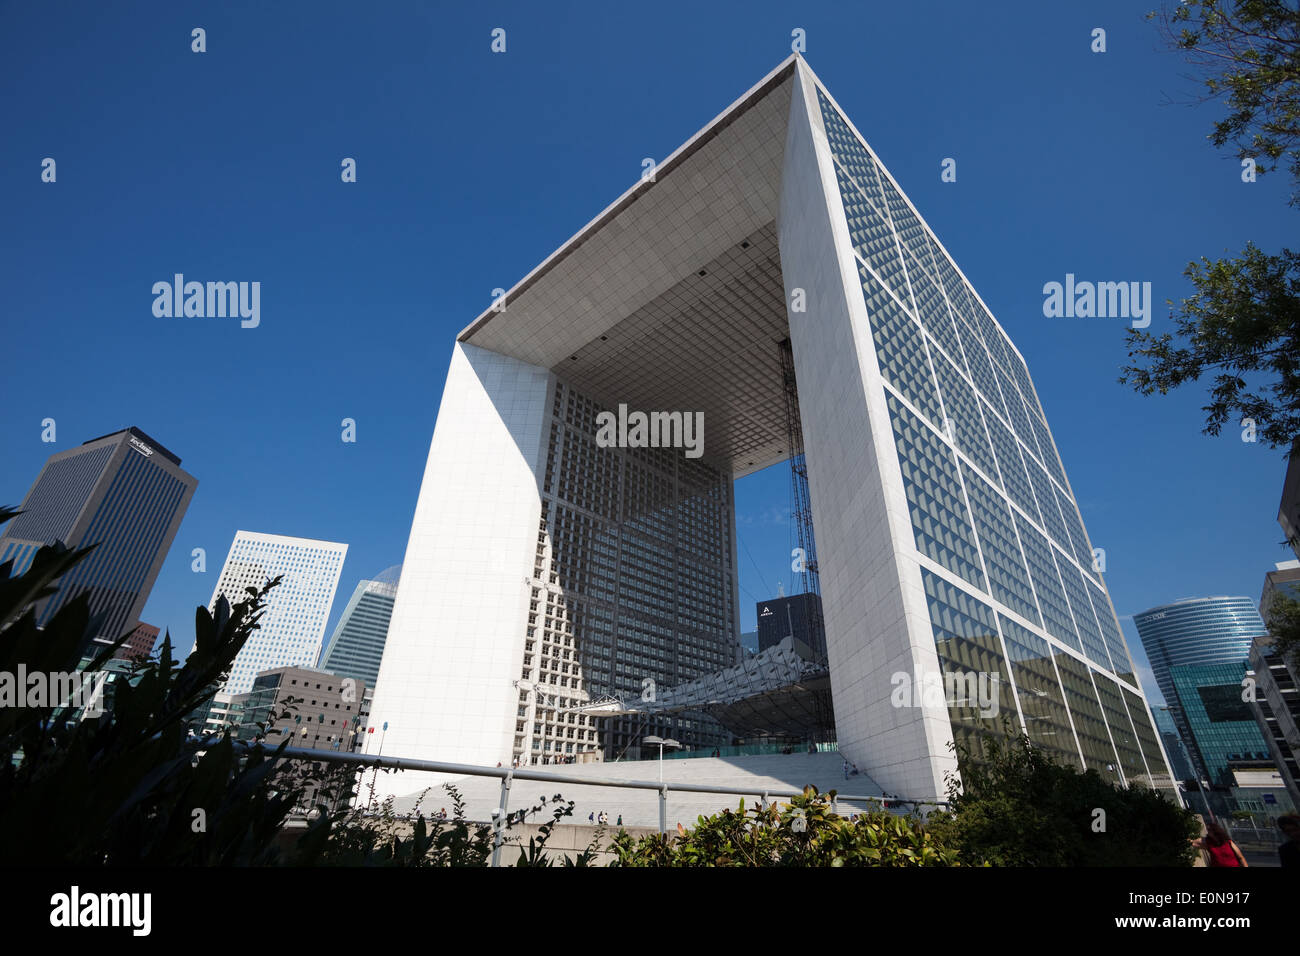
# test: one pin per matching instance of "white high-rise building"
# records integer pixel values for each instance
(297, 610)
(554, 565)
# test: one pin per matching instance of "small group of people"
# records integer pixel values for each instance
(522, 761)
(602, 818)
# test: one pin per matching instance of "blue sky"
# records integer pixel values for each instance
(473, 166)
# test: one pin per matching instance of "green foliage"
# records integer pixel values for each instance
(125, 789)
(1018, 807)
(1284, 624)
(1243, 320)
(1248, 52)
(357, 837)
(534, 854)
(803, 832)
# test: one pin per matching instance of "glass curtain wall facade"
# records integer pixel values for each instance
(632, 589)
(1196, 631)
(1222, 727)
(1014, 590)
(123, 492)
(356, 647)
(1176, 750)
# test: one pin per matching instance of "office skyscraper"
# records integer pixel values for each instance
(1175, 749)
(124, 492)
(796, 616)
(297, 611)
(1196, 631)
(554, 558)
(1222, 728)
(357, 645)
(1277, 677)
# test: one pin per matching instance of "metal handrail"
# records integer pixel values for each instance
(519, 773)
(509, 774)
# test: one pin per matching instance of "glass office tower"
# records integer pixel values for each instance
(797, 616)
(123, 492)
(1196, 631)
(357, 645)
(1175, 749)
(1222, 727)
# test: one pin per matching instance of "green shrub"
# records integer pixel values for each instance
(126, 788)
(803, 832)
(1018, 807)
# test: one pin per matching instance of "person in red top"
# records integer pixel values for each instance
(1217, 843)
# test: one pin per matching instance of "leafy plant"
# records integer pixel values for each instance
(804, 832)
(1284, 624)
(131, 787)
(1242, 324)
(126, 788)
(356, 837)
(1248, 55)
(1019, 807)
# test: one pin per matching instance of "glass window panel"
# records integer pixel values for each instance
(1121, 730)
(1047, 586)
(1008, 579)
(966, 640)
(939, 519)
(1042, 703)
(962, 409)
(1089, 726)
(900, 349)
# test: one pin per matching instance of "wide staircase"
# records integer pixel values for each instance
(640, 808)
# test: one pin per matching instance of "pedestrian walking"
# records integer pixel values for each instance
(1217, 843)
(1288, 853)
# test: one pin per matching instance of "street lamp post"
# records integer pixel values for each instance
(663, 791)
(662, 742)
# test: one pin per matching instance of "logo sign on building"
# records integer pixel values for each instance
(140, 446)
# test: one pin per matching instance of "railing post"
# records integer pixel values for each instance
(499, 824)
(663, 809)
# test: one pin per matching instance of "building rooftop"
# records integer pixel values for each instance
(141, 436)
(1191, 600)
